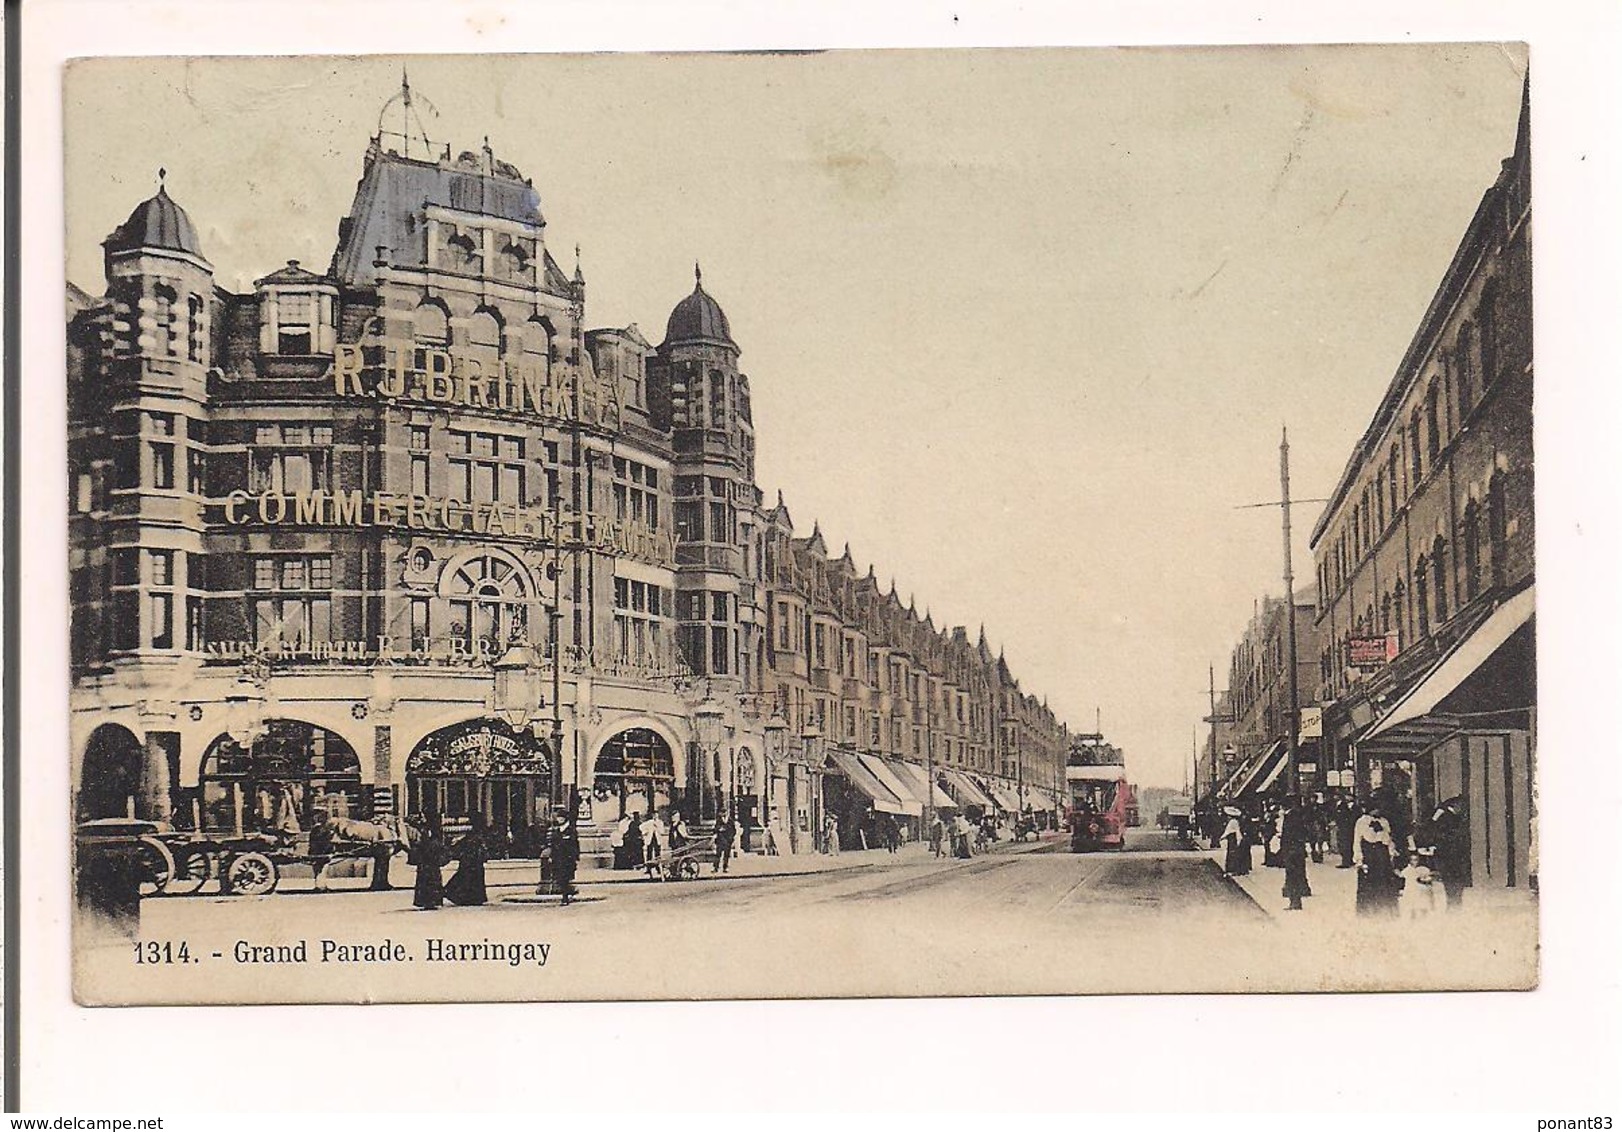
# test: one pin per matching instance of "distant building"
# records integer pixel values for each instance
(1424, 553)
(1258, 702)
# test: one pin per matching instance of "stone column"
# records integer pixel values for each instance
(154, 801)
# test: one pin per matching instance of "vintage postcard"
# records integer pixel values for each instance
(868, 523)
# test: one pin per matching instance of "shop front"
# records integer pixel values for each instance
(485, 772)
(1465, 732)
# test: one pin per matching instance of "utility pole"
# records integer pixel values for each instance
(1294, 780)
(1212, 671)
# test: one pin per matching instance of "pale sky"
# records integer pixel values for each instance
(1021, 326)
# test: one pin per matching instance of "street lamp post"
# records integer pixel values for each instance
(776, 741)
(707, 721)
(517, 698)
(810, 739)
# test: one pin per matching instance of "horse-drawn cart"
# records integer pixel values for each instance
(182, 862)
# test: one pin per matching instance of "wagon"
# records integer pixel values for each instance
(182, 861)
(681, 864)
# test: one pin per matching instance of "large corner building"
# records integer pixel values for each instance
(402, 534)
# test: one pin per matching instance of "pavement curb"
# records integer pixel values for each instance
(1239, 888)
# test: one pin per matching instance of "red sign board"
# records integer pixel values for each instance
(1372, 652)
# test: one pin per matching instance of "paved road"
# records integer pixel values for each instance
(1022, 919)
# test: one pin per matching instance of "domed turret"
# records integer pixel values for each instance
(698, 318)
(157, 222)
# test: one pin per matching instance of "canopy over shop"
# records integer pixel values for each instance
(1465, 730)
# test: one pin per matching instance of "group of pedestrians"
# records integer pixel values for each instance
(957, 836)
(1398, 868)
(430, 850)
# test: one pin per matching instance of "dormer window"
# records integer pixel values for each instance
(295, 324)
(296, 313)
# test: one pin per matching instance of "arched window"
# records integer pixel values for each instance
(1385, 613)
(1498, 529)
(489, 604)
(194, 328)
(1393, 473)
(1433, 425)
(1470, 525)
(538, 343)
(1399, 613)
(1439, 578)
(1416, 467)
(432, 325)
(1465, 356)
(163, 319)
(484, 331)
(1422, 612)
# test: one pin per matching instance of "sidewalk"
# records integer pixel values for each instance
(1334, 892)
(750, 865)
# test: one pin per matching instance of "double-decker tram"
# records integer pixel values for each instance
(1100, 796)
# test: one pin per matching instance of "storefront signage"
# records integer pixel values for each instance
(452, 651)
(1312, 723)
(343, 509)
(480, 752)
(434, 376)
(1372, 652)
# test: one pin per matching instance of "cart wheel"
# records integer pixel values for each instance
(688, 869)
(157, 865)
(192, 871)
(252, 874)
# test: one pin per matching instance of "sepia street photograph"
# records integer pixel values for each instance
(860, 523)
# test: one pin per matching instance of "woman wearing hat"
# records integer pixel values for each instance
(1375, 856)
(1236, 862)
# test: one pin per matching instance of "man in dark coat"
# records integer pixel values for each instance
(726, 831)
(565, 853)
(1450, 840)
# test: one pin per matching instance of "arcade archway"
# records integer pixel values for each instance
(110, 779)
(634, 771)
(291, 770)
(487, 771)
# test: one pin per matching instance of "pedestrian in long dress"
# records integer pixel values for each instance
(616, 843)
(565, 854)
(1236, 859)
(466, 886)
(635, 850)
(1345, 825)
(1374, 855)
(429, 852)
(1295, 830)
